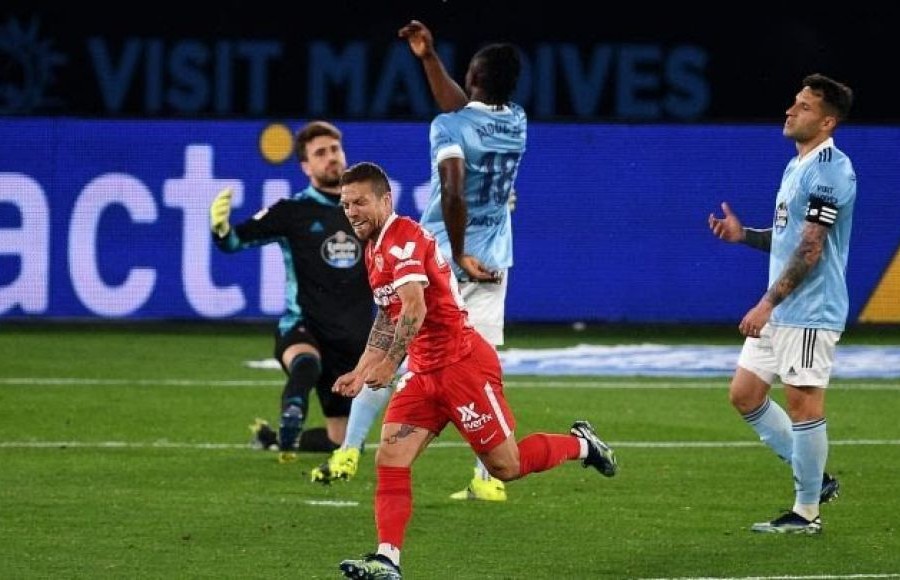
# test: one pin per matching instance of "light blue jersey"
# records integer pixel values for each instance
(492, 143)
(820, 187)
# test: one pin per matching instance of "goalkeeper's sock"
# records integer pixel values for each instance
(290, 426)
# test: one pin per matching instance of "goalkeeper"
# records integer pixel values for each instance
(329, 306)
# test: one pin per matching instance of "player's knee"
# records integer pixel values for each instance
(744, 401)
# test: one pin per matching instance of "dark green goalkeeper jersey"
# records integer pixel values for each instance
(326, 286)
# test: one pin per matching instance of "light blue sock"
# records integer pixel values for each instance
(482, 470)
(808, 463)
(363, 412)
(773, 426)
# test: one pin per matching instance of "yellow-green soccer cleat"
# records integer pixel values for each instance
(342, 464)
(264, 437)
(286, 457)
(484, 489)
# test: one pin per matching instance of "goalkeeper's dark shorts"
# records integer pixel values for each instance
(337, 358)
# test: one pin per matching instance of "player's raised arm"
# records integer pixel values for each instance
(447, 92)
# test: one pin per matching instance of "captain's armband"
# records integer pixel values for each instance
(821, 211)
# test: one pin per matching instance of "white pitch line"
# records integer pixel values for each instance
(331, 503)
(437, 444)
(817, 577)
(511, 381)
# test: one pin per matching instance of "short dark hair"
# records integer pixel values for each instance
(497, 68)
(312, 130)
(366, 171)
(837, 96)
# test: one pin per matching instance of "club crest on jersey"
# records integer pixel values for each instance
(379, 262)
(341, 250)
(781, 217)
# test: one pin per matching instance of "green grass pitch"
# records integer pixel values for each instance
(123, 454)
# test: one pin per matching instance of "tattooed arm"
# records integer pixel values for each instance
(412, 315)
(805, 258)
(802, 262)
(380, 338)
(389, 341)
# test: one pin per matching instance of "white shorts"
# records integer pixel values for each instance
(801, 357)
(486, 303)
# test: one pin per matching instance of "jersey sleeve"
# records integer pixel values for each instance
(445, 141)
(829, 187)
(267, 225)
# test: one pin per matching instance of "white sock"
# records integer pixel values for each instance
(808, 511)
(391, 552)
(582, 442)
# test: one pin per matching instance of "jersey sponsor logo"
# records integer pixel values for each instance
(341, 250)
(404, 253)
(384, 295)
(407, 263)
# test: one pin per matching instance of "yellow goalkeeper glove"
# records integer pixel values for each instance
(219, 212)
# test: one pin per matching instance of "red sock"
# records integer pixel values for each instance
(543, 451)
(393, 504)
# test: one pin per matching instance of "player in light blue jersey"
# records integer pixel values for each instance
(476, 149)
(477, 144)
(793, 331)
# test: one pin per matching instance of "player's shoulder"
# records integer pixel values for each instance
(517, 110)
(831, 161)
(404, 226)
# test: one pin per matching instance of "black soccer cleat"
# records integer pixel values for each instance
(830, 488)
(371, 567)
(789, 523)
(600, 455)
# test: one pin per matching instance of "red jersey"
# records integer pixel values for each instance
(405, 252)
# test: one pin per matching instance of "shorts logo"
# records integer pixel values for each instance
(486, 440)
(471, 419)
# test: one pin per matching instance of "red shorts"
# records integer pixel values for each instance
(468, 392)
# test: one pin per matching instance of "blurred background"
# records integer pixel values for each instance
(118, 125)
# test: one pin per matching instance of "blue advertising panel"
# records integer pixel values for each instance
(109, 219)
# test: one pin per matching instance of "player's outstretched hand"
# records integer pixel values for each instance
(348, 384)
(420, 40)
(726, 228)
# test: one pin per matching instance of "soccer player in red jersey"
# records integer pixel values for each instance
(454, 374)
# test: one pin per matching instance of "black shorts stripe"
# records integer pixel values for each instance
(809, 348)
